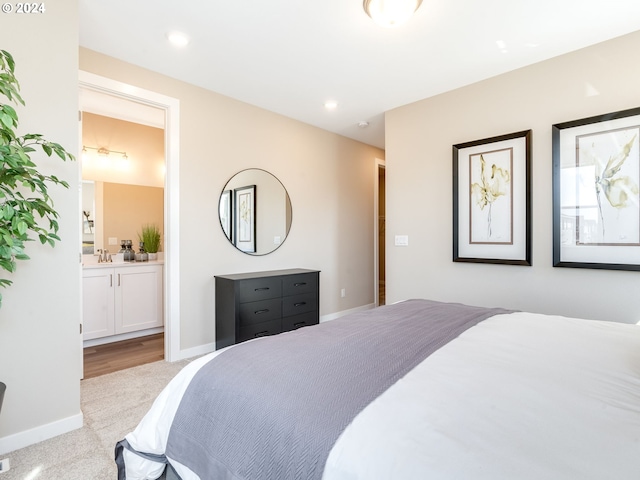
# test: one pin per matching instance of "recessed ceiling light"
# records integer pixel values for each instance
(178, 39)
(330, 104)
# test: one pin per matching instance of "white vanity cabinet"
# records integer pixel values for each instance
(120, 299)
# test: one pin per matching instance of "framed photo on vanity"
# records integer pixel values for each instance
(596, 196)
(491, 200)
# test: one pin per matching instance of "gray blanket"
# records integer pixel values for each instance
(273, 408)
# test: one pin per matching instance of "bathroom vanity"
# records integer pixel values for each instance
(121, 300)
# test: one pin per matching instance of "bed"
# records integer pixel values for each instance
(414, 390)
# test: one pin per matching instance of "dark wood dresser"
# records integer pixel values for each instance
(250, 305)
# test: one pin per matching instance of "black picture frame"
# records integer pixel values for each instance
(596, 196)
(492, 204)
(244, 213)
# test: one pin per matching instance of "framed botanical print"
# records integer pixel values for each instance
(244, 207)
(491, 200)
(596, 196)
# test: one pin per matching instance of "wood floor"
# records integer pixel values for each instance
(112, 357)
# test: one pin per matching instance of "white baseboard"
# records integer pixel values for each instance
(333, 316)
(196, 351)
(39, 434)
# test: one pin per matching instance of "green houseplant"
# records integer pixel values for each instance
(150, 236)
(25, 204)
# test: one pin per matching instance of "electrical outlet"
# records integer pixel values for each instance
(343, 292)
(4, 465)
(113, 240)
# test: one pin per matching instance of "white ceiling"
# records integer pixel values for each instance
(290, 56)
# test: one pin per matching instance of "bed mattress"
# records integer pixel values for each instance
(514, 395)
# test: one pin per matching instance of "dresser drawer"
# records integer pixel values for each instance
(256, 330)
(297, 304)
(301, 283)
(259, 289)
(265, 303)
(259, 312)
(298, 321)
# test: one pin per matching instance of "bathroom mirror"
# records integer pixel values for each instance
(255, 211)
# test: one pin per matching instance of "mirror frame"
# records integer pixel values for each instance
(227, 200)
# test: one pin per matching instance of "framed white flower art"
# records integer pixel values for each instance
(596, 192)
(491, 200)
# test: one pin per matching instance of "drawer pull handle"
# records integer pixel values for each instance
(260, 289)
(299, 324)
(262, 334)
(300, 284)
(258, 312)
(299, 304)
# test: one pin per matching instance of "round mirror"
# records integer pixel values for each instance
(255, 211)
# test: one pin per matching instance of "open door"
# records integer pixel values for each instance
(379, 233)
(80, 195)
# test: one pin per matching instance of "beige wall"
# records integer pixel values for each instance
(143, 145)
(329, 179)
(419, 139)
(40, 345)
(126, 209)
(121, 211)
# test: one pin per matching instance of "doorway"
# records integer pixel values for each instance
(123, 164)
(128, 100)
(380, 291)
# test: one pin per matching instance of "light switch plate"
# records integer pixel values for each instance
(402, 240)
(113, 240)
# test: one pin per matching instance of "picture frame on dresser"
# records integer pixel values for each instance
(492, 200)
(596, 192)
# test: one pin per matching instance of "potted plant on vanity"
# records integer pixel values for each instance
(150, 237)
(26, 208)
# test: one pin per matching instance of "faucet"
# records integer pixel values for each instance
(104, 256)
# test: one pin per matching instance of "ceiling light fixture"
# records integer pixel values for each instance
(330, 104)
(104, 158)
(103, 152)
(390, 13)
(178, 39)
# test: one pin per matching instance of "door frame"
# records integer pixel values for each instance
(171, 271)
(378, 164)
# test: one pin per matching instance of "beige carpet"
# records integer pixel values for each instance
(112, 405)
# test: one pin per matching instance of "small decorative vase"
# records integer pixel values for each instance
(153, 257)
(142, 256)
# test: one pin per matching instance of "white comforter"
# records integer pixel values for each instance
(518, 396)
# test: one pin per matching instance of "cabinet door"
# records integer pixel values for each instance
(138, 299)
(97, 303)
